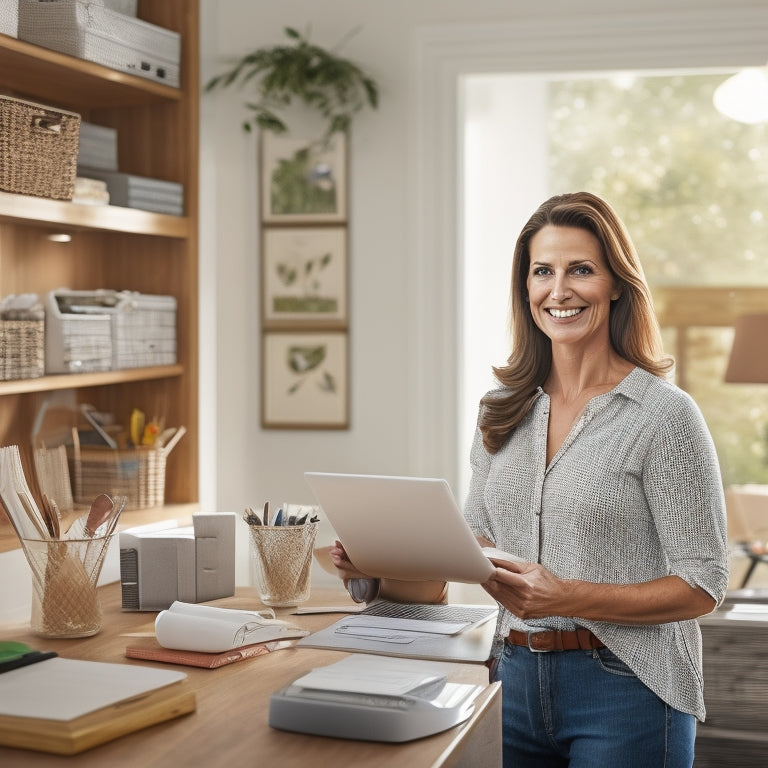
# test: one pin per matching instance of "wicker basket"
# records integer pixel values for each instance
(138, 473)
(22, 349)
(38, 149)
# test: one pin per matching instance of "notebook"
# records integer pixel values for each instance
(408, 528)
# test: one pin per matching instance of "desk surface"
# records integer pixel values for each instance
(230, 726)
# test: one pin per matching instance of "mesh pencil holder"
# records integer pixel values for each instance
(65, 573)
(282, 559)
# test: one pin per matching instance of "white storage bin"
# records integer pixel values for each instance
(143, 331)
(78, 333)
(9, 17)
(88, 30)
(108, 330)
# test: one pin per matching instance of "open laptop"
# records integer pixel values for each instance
(407, 528)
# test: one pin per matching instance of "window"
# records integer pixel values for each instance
(692, 187)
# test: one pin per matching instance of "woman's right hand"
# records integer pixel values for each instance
(344, 566)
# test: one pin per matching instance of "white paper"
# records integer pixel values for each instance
(500, 554)
(418, 626)
(207, 629)
(63, 689)
(364, 673)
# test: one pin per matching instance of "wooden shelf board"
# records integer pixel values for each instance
(80, 380)
(25, 209)
(26, 68)
(181, 512)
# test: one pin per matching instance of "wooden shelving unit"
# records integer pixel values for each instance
(112, 247)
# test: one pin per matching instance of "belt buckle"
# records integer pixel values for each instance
(535, 650)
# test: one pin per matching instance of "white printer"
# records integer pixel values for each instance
(373, 698)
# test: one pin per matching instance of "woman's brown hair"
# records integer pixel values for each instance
(634, 329)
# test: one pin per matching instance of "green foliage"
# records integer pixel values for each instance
(298, 187)
(691, 184)
(302, 361)
(335, 87)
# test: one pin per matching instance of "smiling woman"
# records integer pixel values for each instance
(570, 286)
(601, 475)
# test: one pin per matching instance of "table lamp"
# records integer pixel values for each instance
(748, 363)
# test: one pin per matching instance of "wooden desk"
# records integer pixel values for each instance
(230, 726)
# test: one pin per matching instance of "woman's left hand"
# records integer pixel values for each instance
(527, 590)
(344, 566)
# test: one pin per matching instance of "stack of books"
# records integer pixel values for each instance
(98, 148)
(132, 191)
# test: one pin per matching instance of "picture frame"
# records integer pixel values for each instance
(305, 380)
(304, 277)
(303, 181)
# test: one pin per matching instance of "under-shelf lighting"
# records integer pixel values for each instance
(744, 96)
(60, 237)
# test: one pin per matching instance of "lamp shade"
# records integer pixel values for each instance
(744, 97)
(748, 363)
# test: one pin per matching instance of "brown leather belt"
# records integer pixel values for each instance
(555, 640)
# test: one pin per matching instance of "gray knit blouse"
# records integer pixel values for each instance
(633, 494)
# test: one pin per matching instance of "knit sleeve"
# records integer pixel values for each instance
(475, 509)
(684, 490)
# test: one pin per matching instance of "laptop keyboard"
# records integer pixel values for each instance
(430, 612)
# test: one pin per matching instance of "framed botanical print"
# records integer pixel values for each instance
(304, 277)
(305, 380)
(303, 182)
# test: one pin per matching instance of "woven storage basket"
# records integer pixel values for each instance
(22, 349)
(138, 473)
(38, 149)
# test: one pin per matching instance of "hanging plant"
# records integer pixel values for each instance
(307, 73)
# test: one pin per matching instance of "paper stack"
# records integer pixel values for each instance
(97, 148)
(131, 191)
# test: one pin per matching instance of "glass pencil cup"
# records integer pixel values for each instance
(65, 573)
(281, 556)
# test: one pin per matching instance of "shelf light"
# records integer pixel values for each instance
(60, 237)
(744, 96)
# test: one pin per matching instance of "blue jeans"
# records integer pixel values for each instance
(586, 709)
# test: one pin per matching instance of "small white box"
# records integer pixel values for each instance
(162, 563)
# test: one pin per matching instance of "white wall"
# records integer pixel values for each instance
(505, 178)
(404, 232)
